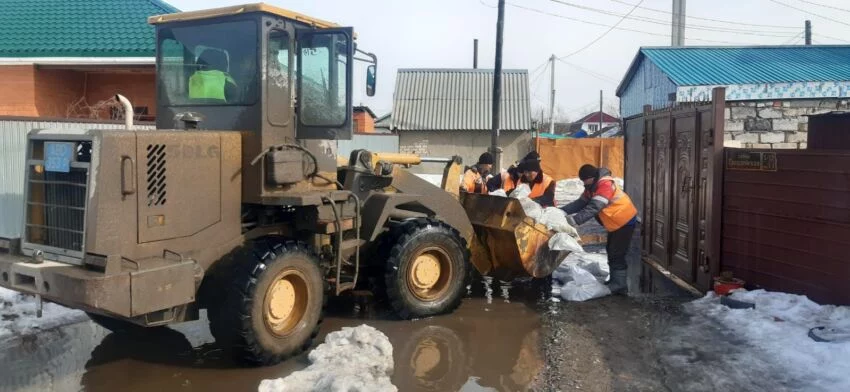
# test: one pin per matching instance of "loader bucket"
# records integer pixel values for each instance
(507, 244)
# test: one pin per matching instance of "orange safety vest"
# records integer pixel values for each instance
(539, 188)
(470, 179)
(620, 209)
(508, 183)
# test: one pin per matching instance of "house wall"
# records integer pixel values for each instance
(586, 126)
(45, 92)
(139, 88)
(649, 86)
(467, 144)
(363, 122)
(775, 124)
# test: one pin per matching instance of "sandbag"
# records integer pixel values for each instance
(582, 286)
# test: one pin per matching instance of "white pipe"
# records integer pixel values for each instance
(128, 110)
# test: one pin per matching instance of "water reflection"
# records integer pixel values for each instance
(484, 345)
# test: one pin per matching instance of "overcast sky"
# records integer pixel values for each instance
(439, 34)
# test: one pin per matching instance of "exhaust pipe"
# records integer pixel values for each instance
(128, 110)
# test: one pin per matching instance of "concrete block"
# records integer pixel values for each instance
(727, 113)
(785, 146)
(764, 104)
(747, 137)
(734, 126)
(741, 113)
(757, 125)
(802, 127)
(729, 136)
(795, 112)
(733, 144)
(785, 124)
(786, 104)
(828, 104)
(759, 145)
(796, 137)
(770, 113)
(804, 103)
(804, 146)
(772, 137)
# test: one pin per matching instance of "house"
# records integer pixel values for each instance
(769, 89)
(590, 122)
(363, 119)
(446, 112)
(68, 58)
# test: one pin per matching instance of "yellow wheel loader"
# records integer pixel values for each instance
(236, 203)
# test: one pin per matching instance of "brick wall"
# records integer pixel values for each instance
(139, 88)
(774, 124)
(29, 91)
(17, 97)
(363, 122)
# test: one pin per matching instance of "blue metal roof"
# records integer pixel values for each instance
(699, 66)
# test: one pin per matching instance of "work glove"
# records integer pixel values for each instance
(571, 221)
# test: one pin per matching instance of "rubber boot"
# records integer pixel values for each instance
(618, 283)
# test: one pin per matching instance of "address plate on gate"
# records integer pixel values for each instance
(751, 161)
(58, 156)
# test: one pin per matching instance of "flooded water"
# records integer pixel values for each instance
(491, 343)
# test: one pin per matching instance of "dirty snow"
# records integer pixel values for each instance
(778, 328)
(18, 314)
(358, 359)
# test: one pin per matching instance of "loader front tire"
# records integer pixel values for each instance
(274, 307)
(426, 271)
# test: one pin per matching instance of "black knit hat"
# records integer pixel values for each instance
(529, 165)
(587, 171)
(486, 159)
(532, 156)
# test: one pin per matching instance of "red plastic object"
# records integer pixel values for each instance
(722, 286)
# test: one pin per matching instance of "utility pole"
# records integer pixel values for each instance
(600, 111)
(678, 23)
(475, 53)
(552, 96)
(497, 89)
(808, 32)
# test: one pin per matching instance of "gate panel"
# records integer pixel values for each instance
(683, 195)
(660, 191)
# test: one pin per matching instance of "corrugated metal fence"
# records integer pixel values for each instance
(368, 141)
(13, 141)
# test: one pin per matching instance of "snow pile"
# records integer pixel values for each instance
(581, 276)
(356, 359)
(18, 314)
(779, 325)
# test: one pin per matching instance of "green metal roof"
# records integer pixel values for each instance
(79, 28)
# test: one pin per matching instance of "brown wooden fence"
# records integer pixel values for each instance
(786, 221)
(561, 158)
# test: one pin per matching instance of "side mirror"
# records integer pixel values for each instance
(371, 79)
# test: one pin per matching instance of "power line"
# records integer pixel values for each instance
(538, 11)
(793, 39)
(591, 73)
(603, 34)
(824, 5)
(667, 23)
(710, 19)
(809, 12)
(832, 38)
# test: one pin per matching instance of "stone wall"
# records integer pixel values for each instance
(775, 124)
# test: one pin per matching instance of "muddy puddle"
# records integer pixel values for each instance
(491, 343)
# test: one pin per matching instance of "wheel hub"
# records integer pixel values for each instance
(282, 300)
(285, 303)
(426, 271)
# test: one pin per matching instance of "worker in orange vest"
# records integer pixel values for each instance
(475, 177)
(507, 180)
(604, 200)
(542, 186)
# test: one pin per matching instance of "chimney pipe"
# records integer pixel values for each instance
(475, 53)
(128, 110)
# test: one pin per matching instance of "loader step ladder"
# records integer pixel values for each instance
(345, 248)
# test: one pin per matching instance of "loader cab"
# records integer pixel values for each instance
(277, 76)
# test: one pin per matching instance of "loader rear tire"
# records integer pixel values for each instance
(274, 308)
(426, 271)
